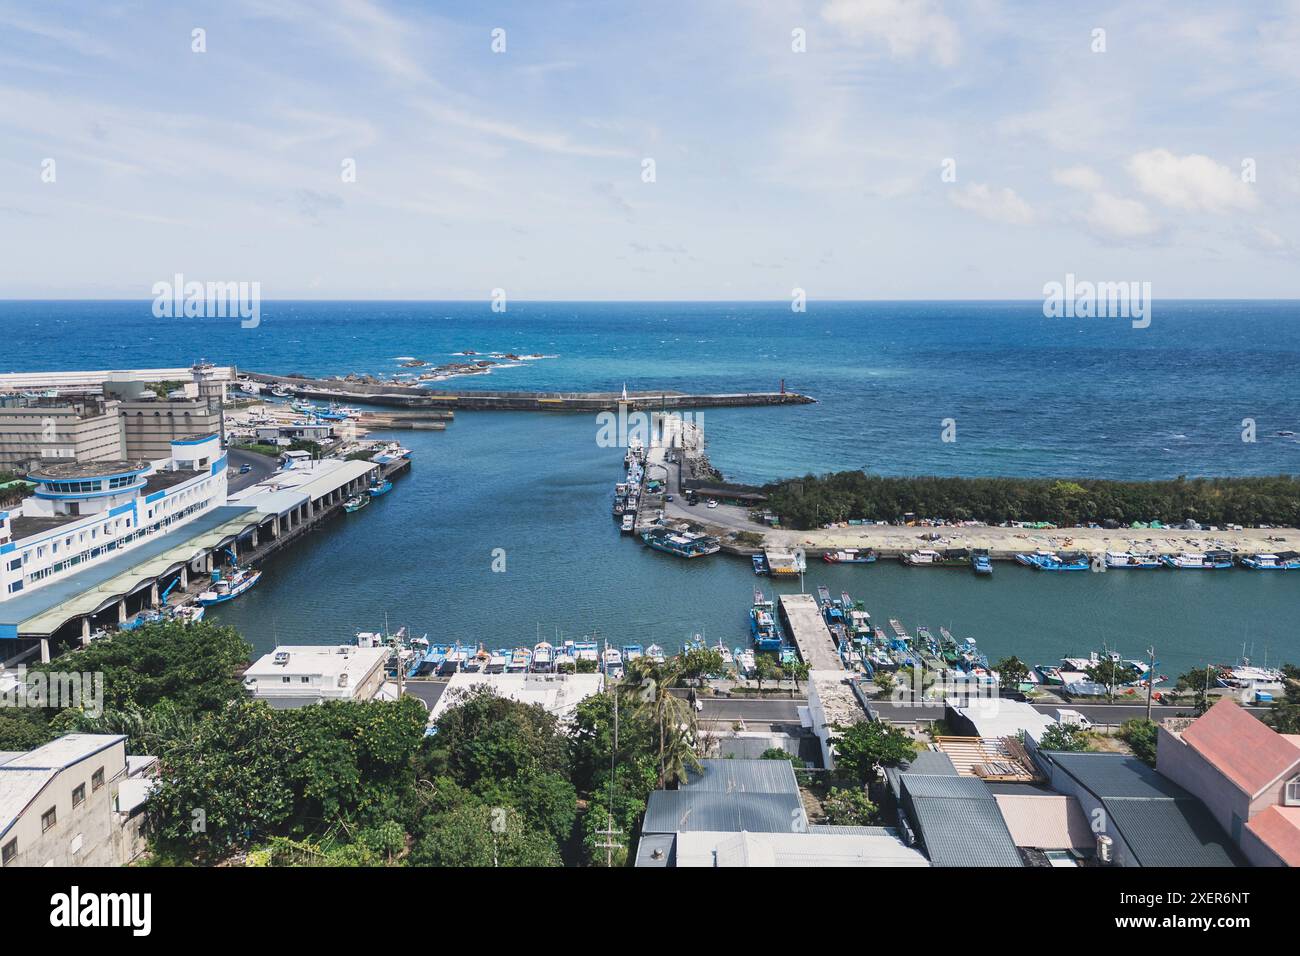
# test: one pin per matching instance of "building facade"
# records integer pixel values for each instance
(76, 801)
(301, 675)
(81, 513)
(41, 431)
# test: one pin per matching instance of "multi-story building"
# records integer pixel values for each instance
(76, 801)
(305, 674)
(1246, 774)
(39, 431)
(150, 423)
(82, 513)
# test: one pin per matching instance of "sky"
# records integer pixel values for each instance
(703, 149)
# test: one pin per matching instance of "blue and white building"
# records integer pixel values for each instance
(82, 513)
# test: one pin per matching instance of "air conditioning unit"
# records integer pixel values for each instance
(1105, 849)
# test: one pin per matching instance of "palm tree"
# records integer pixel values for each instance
(647, 686)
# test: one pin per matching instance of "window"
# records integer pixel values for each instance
(78, 796)
(1292, 798)
(48, 819)
(306, 680)
(9, 852)
(97, 779)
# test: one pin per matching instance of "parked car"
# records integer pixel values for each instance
(245, 468)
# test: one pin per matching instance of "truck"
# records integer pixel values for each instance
(1073, 717)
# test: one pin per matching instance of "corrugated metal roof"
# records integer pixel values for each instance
(744, 776)
(958, 821)
(652, 843)
(1161, 822)
(675, 811)
(927, 761)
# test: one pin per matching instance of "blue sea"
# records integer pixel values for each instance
(1029, 396)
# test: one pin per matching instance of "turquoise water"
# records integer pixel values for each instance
(1031, 396)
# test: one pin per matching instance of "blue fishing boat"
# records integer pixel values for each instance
(763, 628)
(980, 562)
(356, 503)
(850, 556)
(1283, 561)
(683, 544)
(228, 587)
(1048, 561)
(760, 563)
(378, 488)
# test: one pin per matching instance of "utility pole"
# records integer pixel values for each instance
(1151, 679)
(609, 844)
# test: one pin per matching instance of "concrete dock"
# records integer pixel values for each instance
(803, 623)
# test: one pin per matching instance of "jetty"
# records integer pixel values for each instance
(803, 622)
(414, 396)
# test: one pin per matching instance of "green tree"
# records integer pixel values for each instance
(1012, 671)
(1197, 683)
(850, 808)
(1112, 674)
(1065, 737)
(863, 746)
(765, 668)
(23, 730)
(797, 671)
(483, 836)
(1284, 715)
(646, 686)
(701, 662)
(1140, 734)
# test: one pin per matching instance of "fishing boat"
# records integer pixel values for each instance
(1284, 561)
(760, 563)
(476, 661)
(632, 652)
(543, 656)
(1049, 561)
(302, 405)
(188, 613)
(496, 663)
(725, 654)
(1197, 561)
(611, 662)
(922, 558)
(763, 628)
(356, 503)
(1131, 559)
(585, 650)
(453, 661)
(629, 523)
(228, 587)
(850, 556)
(745, 662)
(683, 544)
(521, 658)
(655, 653)
(147, 616)
(980, 562)
(382, 487)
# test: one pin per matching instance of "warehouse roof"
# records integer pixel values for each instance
(746, 776)
(958, 821)
(1162, 824)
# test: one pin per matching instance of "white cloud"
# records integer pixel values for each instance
(1194, 183)
(1120, 218)
(999, 205)
(1078, 177)
(908, 27)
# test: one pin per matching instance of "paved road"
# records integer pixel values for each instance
(764, 711)
(261, 464)
(1097, 713)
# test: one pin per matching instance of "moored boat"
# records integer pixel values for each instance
(1198, 561)
(1131, 559)
(356, 503)
(763, 628)
(543, 656)
(850, 556)
(378, 488)
(682, 544)
(228, 587)
(980, 562)
(1283, 561)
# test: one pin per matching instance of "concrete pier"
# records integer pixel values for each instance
(803, 622)
(411, 396)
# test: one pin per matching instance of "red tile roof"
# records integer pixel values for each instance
(1244, 749)
(1279, 829)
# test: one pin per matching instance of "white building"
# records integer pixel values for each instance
(296, 676)
(558, 694)
(76, 801)
(996, 717)
(85, 512)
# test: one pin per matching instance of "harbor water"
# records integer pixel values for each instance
(1029, 395)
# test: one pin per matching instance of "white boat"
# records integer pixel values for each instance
(543, 656)
(725, 654)
(655, 653)
(1131, 559)
(188, 613)
(611, 662)
(497, 662)
(629, 523)
(924, 556)
(228, 588)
